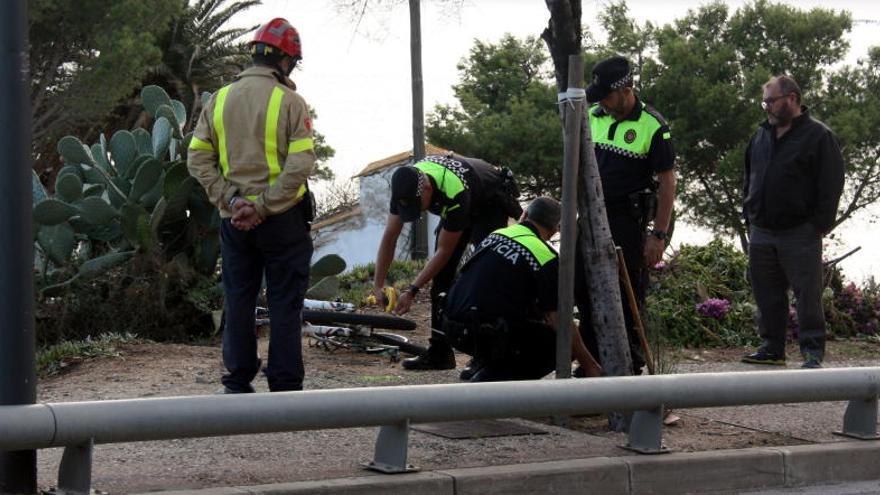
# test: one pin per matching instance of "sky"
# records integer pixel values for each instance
(359, 83)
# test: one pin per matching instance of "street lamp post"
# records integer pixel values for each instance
(18, 470)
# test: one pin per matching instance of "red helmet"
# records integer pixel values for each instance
(280, 34)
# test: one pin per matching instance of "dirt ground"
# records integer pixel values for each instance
(153, 370)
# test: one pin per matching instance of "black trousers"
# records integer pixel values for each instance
(483, 225)
(510, 349)
(280, 247)
(783, 259)
(628, 232)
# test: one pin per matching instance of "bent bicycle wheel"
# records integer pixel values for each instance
(400, 342)
(330, 318)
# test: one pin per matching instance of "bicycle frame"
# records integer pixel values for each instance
(328, 305)
(324, 331)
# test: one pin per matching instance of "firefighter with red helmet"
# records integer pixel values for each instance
(252, 151)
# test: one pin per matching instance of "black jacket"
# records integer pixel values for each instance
(795, 179)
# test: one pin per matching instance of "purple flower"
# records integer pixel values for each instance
(714, 308)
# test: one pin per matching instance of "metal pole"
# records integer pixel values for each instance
(420, 239)
(18, 469)
(573, 109)
(415, 52)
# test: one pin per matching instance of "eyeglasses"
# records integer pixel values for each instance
(767, 102)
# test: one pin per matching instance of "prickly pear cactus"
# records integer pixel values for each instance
(129, 194)
(323, 280)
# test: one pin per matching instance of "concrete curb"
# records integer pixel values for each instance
(676, 473)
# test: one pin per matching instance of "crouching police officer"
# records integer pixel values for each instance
(252, 152)
(633, 146)
(502, 308)
(472, 198)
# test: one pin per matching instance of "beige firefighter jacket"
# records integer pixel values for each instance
(254, 140)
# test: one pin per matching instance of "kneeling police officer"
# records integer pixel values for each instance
(502, 308)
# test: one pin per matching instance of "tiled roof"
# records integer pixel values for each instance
(338, 217)
(397, 159)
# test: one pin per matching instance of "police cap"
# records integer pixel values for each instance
(405, 193)
(608, 75)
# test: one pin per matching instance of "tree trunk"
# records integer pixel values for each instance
(563, 37)
(743, 240)
(600, 264)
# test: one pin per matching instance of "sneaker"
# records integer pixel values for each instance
(430, 360)
(811, 363)
(471, 369)
(764, 357)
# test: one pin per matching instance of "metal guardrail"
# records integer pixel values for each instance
(77, 426)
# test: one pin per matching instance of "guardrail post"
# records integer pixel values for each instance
(75, 471)
(391, 450)
(860, 420)
(646, 432)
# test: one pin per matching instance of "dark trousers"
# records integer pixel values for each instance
(519, 349)
(628, 232)
(483, 225)
(281, 248)
(778, 260)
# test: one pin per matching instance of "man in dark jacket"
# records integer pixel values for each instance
(793, 181)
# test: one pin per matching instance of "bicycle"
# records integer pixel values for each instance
(332, 325)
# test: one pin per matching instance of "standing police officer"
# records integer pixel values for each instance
(502, 308)
(472, 198)
(632, 146)
(252, 151)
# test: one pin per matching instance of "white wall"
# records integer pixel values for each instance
(356, 240)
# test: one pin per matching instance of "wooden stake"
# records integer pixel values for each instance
(634, 310)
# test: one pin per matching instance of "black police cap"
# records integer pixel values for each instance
(608, 75)
(405, 193)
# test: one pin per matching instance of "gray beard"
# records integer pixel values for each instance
(783, 118)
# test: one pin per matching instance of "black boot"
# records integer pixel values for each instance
(432, 359)
(471, 369)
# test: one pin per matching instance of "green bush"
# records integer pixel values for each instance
(713, 276)
(127, 235)
(357, 284)
(169, 303)
(701, 297)
(54, 358)
(850, 310)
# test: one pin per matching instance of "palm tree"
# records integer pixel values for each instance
(200, 54)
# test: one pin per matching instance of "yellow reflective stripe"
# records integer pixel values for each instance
(300, 145)
(667, 135)
(448, 209)
(198, 144)
(221, 130)
(524, 236)
(252, 197)
(272, 113)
